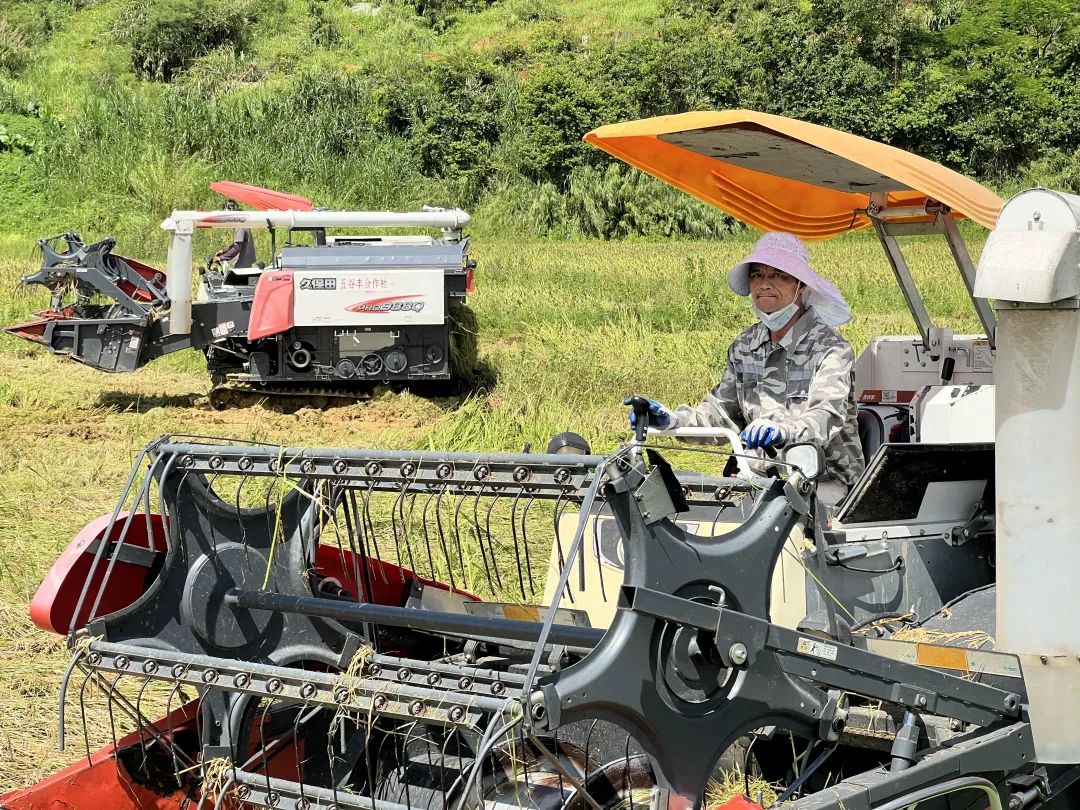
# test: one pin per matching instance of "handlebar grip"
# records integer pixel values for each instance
(640, 406)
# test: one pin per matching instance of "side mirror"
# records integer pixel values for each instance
(806, 457)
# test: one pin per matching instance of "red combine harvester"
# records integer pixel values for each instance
(914, 648)
(326, 317)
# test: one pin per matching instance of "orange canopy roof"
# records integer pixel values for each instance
(777, 173)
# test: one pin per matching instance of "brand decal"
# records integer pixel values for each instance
(318, 284)
(391, 303)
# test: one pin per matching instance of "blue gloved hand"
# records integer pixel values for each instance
(659, 416)
(763, 433)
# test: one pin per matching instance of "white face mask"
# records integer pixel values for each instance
(776, 321)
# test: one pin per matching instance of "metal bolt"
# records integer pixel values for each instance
(481, 472)
(920, 700)
(210, 676)
(374, 669)
(444, 471)
(433, 678)
(498, 688)
(403, 674)
(457, 714)
(956, 725)
(274, 685)
(301, 804)
(307, 466)
(373, 468)
(562, 475)
(241, 679)
(521, 474)
(379, 702)
(464, 683)
(272, 799)
(341, 694)
(408, 469)
(121, 662)
(93, 659)
(339, 466)
(416, 707)
(737, 653)
(307, 690)
(179, 671)
(1043, 658)
(150, 666)
(187, 461)
(245, 463)
(243, 791)
(216, 462)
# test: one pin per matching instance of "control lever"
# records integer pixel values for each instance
(640, 406)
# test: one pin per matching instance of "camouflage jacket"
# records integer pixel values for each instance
(805, 383)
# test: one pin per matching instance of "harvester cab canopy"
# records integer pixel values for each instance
(777, 173)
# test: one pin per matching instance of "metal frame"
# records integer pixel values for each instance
(888, 230)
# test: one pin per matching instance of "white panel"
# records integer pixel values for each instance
(1037, 467)
(368, 297)
(955, 413)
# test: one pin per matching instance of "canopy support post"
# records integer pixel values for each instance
(904, 279)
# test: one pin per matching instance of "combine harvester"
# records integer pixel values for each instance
(319, 601)
(327, 319)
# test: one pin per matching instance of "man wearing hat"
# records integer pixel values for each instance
(789, 378)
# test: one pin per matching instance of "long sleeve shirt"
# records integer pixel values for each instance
(805, 383)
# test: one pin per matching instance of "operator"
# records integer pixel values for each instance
(243, 245)
(789, 378)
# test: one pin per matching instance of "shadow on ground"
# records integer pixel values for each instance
(125, 401)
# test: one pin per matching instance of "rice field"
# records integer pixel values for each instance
(569, 329)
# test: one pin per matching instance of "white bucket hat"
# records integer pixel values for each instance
(787, 252)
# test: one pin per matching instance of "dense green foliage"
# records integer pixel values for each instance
(113, 111)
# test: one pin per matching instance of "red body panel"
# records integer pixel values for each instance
(53, 606)
(264, 199)
(153, 275)
(272, 307)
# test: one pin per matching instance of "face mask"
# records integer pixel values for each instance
(776, 321)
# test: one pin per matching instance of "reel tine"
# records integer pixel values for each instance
(369, 525)
(596, 552)
(340, 502)
(363, 586)
(240, 522)
(442, 539)
(296, 755)
(262, 746)
(82, 713)
(142, 726)
(558, 750)
(172, 733)
(397, 512)
(475, 528)
(627, 789)
(560, 506)
(491, 537)
(514, 534)
(427, 537)
(525, 543)
(460, 499)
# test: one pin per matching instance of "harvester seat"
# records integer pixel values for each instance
(871, 429)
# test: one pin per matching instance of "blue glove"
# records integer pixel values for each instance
(659, 416)
(763, 433)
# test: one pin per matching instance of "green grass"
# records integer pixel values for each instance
(570, 329)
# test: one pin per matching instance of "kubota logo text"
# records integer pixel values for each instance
(391, 303)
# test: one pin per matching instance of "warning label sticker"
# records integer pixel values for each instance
(818, 649)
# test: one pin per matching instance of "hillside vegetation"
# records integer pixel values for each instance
(114, 111)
